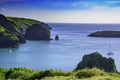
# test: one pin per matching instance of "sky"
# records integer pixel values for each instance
(64, 11)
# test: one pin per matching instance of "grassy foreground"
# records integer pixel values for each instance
(83, 74)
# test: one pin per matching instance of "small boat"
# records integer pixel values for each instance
(110, 53)
(10, 50)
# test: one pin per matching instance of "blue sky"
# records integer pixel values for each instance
(70, 11)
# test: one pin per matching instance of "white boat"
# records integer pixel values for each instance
(110, 53)
(10, 50)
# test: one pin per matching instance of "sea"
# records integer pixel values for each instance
(63, 54)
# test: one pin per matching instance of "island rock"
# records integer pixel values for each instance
(105, 34)
(96, 60)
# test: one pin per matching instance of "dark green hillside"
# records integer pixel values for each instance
(7, 39)
(12, 30)
(105, 34)
(22, 23)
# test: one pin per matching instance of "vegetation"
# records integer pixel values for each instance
(22, 23)
(12, 30)
(97, 60)
(105, 34)
(83, 74)
(7, 39)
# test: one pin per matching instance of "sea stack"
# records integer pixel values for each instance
(56, 37)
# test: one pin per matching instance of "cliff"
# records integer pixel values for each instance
(12, 30)
(37, 32)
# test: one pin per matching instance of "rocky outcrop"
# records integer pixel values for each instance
(37, 32)
(21, 38)
(7, 24)
(45, 25)
(96, 60)
(7, 40)
(105, 34)
(56, 37)
(10, 35)
(13, 29)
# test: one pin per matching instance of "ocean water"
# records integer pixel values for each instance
(65, 53)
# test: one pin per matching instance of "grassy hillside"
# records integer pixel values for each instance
(83, 74)
(13, 29)
(22, 23)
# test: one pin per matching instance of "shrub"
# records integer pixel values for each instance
(19, 73)
(48, 73)
(85, 73)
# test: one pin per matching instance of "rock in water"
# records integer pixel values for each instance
(37, 32)
(56, 37)
(98, 61)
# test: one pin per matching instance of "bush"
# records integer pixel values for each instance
(19, 73)
(85, 73)
(48, 73)
(2, 73)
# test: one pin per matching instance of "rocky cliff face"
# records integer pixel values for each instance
(10, 36)
(8, 40)
(96, 60)
(37, 32)
(12, 30)
(6, 23)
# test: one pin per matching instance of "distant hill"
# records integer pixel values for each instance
(105, 34)
(13, 29)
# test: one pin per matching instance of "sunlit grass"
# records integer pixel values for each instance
(83, 74)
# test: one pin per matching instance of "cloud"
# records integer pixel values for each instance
(116, 8)
(80, 4)
(76, 16)
(112, 2)
(105, 8)
(3, 9)
(99, 7)
(69, 5)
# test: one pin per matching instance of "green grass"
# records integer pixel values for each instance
(22, 22)
(2, 29)
(84, 74)
(87, 74)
